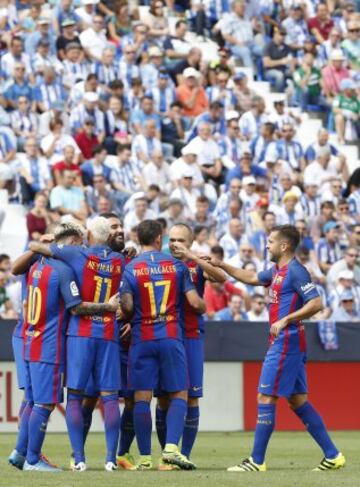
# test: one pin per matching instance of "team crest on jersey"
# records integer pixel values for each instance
(279, 279)
(74, 289)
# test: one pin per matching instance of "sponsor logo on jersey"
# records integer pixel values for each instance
(307, 287)
(74, 289)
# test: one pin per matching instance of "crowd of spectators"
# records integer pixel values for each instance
(112, 106)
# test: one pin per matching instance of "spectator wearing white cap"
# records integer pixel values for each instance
(248, 194)
(87, 12)
(344, 282)
(328, 250)
(346, 310)
(188, 158)
(191, 94)
(346, 108)
(88, 109)
(347, 263)
(333, 74)
(93, 39)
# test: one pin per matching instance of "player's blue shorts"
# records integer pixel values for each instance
(44, 382)
(194, 348)
(17, 345)
(158, 364)
(90, 390)
(94, 357)
(283, 374)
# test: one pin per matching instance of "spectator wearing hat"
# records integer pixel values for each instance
(88, 109)
(173, 128)
(321, 25)
(186, 192)
(149, 71)
(332, 44)
(345, 282)
(189, 154)
(333, 74)
(86, 138)
(48, 90)
(242, 91)
(191, 94)
(248, 195)
(346, 108)
(254, 217)
(237, 31)
(351, 45)
(309, 85)
(68, 35)
(18, 87)
(290, 211)
(328, 250)
(43, 32)
(220, 92)
(345, 311)
(277, 60)
(87, 12)
(251, 121)
(163, 93)
(64, 12)
(93, 39)
(75, 68)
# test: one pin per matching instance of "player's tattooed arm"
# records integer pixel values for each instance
(40, 248)
(86, 308)
(127, 305)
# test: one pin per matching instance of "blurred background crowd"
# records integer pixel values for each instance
(230, 115)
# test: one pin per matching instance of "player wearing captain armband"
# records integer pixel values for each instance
(93, 339)
(293, 298)
(153, 289)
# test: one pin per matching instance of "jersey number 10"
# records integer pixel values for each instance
(34, 305)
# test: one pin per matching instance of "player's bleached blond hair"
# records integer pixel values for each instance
(99, 227)
(68, 229)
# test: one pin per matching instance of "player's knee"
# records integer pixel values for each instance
(74, 391)
(145, 396)
(193, 402)
(50, 407)
(163, 402)
(179, 395)
(264, 399)
(107, 393)
(297, 400)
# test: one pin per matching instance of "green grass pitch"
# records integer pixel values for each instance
(290, 459)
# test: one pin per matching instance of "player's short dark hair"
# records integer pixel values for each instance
(98, 149)
(4, 257)
(110, 214)
(115, 84)
(154, 187)
(148, 231)
(217, 250)
(198, 229)
(202, 199)
(289, 233)
(266, 214)
(179, 22)
(162, 222)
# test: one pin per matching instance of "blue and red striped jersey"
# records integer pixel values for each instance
(52, 291)
(98, 272)
(158, 283)
(290, 288)
(193, 322)
(19, 328)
